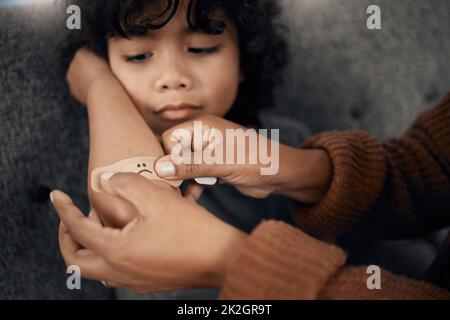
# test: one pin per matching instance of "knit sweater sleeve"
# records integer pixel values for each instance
(279, 261)
(398, 188)
(401, 185)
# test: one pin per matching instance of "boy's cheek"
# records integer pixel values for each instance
(220, 111)
(224, 98)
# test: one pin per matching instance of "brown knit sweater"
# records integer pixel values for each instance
(399, 188)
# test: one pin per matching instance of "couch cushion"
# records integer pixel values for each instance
(44, 145)
(342, 75)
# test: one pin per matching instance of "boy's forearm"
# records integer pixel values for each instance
(117, 132)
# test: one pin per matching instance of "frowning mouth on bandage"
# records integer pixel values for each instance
(138, 165)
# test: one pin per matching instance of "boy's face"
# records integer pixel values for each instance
(174, 75)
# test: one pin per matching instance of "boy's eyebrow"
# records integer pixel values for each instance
(157, 33)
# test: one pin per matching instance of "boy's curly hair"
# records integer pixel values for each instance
(263, 48)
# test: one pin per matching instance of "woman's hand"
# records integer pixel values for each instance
(173, 243)
(304, 175)
(84, 69)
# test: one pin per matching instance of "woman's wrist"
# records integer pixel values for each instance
(304, 175)
(224, 251)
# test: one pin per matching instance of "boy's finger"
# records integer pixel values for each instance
(84, 231)
(193, 192)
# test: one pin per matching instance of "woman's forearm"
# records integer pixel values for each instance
(117, 132)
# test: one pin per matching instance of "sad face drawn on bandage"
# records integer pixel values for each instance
(144, 171)
(139, 165)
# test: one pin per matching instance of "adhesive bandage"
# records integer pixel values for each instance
(143, 166)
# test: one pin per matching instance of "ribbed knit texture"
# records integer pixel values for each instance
(280, 262)
(401, 188)
(359, 164)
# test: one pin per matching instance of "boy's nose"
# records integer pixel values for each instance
(173, 82)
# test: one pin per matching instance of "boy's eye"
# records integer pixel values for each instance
(203, 50)
(139, 57)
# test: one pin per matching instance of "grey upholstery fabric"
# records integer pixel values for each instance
(341, 76)
(44, 144)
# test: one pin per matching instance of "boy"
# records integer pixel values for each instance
(176, 61)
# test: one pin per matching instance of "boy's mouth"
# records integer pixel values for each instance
(177, 111)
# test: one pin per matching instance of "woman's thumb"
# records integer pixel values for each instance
(168, 169)
(131, 187)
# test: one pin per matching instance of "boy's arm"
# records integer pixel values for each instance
(117, 133)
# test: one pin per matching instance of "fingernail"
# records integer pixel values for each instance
(165, 168)
(209, 181)
(105, 176)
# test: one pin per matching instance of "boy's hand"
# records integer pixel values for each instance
(302, 174)
(85, 68)
(172, 244)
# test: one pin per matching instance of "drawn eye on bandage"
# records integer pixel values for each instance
(143, 168)
(139, 165)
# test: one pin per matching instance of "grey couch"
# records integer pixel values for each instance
(341, 76)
